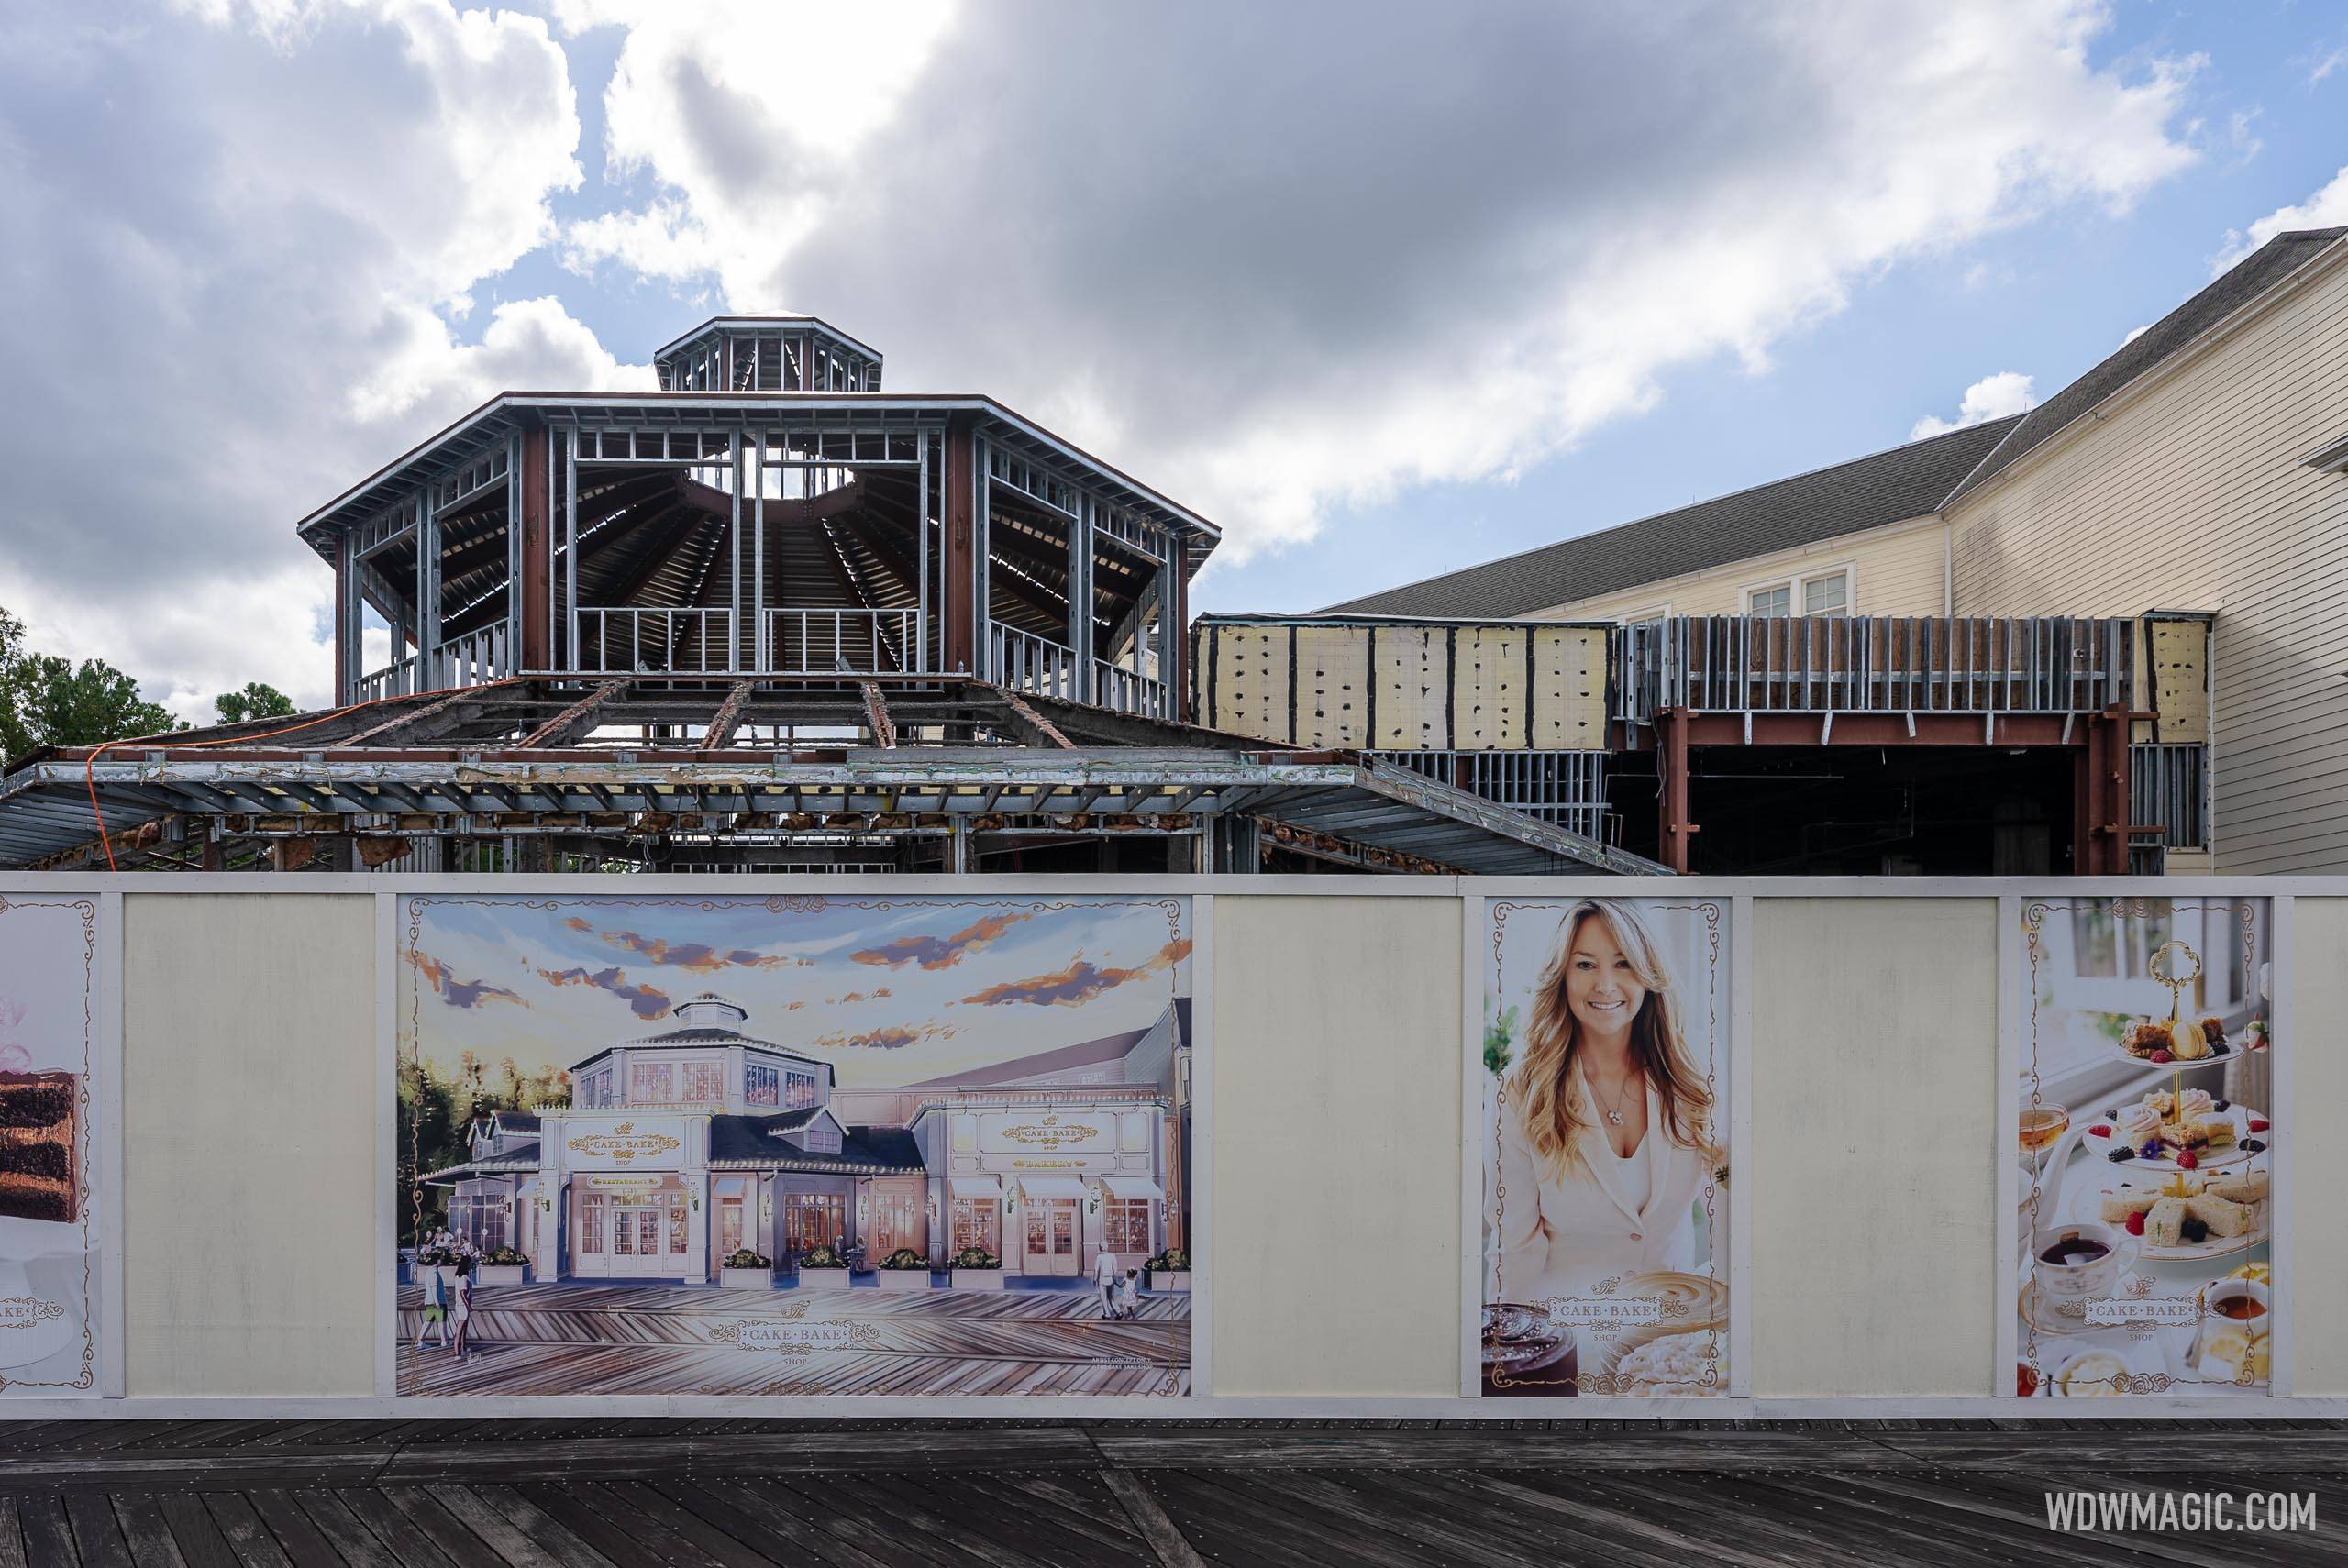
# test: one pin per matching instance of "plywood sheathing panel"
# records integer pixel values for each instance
(1246, 671)
(1489, 678)
(2181, 680)
(1413, 676)
(1333, 686)
(1569, 688)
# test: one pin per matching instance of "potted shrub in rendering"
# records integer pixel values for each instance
(904, 1269)
(745, 1270)
(975, 1268)
(823, 1268)
(1170, 1270)
(503, 1266)
(444, 1253)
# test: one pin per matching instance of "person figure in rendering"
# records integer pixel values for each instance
(1104, 1275)
(1604, 1125)
(1129, 1294)
(436, 1309)
(460, 1308)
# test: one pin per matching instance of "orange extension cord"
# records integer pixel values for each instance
(90, 764)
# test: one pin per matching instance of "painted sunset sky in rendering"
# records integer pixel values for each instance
(889, 990)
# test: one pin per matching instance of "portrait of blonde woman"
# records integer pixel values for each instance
(1604, 1123)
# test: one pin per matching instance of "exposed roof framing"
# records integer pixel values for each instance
(513, 757)
(489, 426)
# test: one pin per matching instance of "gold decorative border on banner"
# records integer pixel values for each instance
(2245, 912)
(1602, 1384)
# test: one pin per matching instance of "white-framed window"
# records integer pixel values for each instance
(2098, 972)
(975, 1224)
(729, 1226)
(1652, 617)
(761, 1085)
(705, 1080)
(1125, 1227)
(1822, 592)
(651, 1082)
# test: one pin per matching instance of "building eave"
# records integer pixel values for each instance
(505, 411)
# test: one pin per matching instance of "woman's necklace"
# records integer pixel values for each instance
(1610, 1104)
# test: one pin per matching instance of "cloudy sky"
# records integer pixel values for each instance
(889, 992)
(1382, 298)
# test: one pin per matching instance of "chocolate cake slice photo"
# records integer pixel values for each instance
(39, 1177)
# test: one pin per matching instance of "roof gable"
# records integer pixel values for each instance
(2238, 286)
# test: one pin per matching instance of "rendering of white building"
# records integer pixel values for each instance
(681, 1148)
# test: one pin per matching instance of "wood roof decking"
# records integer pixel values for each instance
(752, 1492)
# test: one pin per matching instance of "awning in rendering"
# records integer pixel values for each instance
(1036, 1188)
(1127, 1187)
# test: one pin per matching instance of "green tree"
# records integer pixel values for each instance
(257, 700)
(54, 701)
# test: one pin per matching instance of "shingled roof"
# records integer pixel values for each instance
(1867, 493)
(2244, 282)
(1912, 480)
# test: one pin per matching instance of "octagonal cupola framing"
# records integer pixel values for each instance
(768, 353)
(767, 516)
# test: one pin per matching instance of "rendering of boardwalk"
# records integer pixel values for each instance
(669, 1339)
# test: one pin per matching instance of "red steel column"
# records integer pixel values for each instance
(961, 547)
(346, 636)
(2100, 796)
(1671, 758)
(531, 640)
(1177, 624)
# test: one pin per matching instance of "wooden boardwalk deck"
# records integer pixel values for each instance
(720, 1493)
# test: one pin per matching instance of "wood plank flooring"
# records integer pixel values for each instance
(763, 1492)
(652, 1338)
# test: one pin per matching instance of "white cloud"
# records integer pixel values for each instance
(528, 343)
(239, 236)
(2328, 208)
(1991, 397)
(1268, 266)
(1279, 267)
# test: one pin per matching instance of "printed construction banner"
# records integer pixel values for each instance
(51, 1203)
(2144, 1147)
(1603, 1063)
(900, 1144)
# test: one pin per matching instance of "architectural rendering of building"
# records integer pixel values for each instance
(683, 1147)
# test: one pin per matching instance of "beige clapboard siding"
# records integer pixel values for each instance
(2190, 493)
(1897, 571)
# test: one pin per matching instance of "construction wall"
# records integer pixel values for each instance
(1332, 1023)
(1404, 686)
